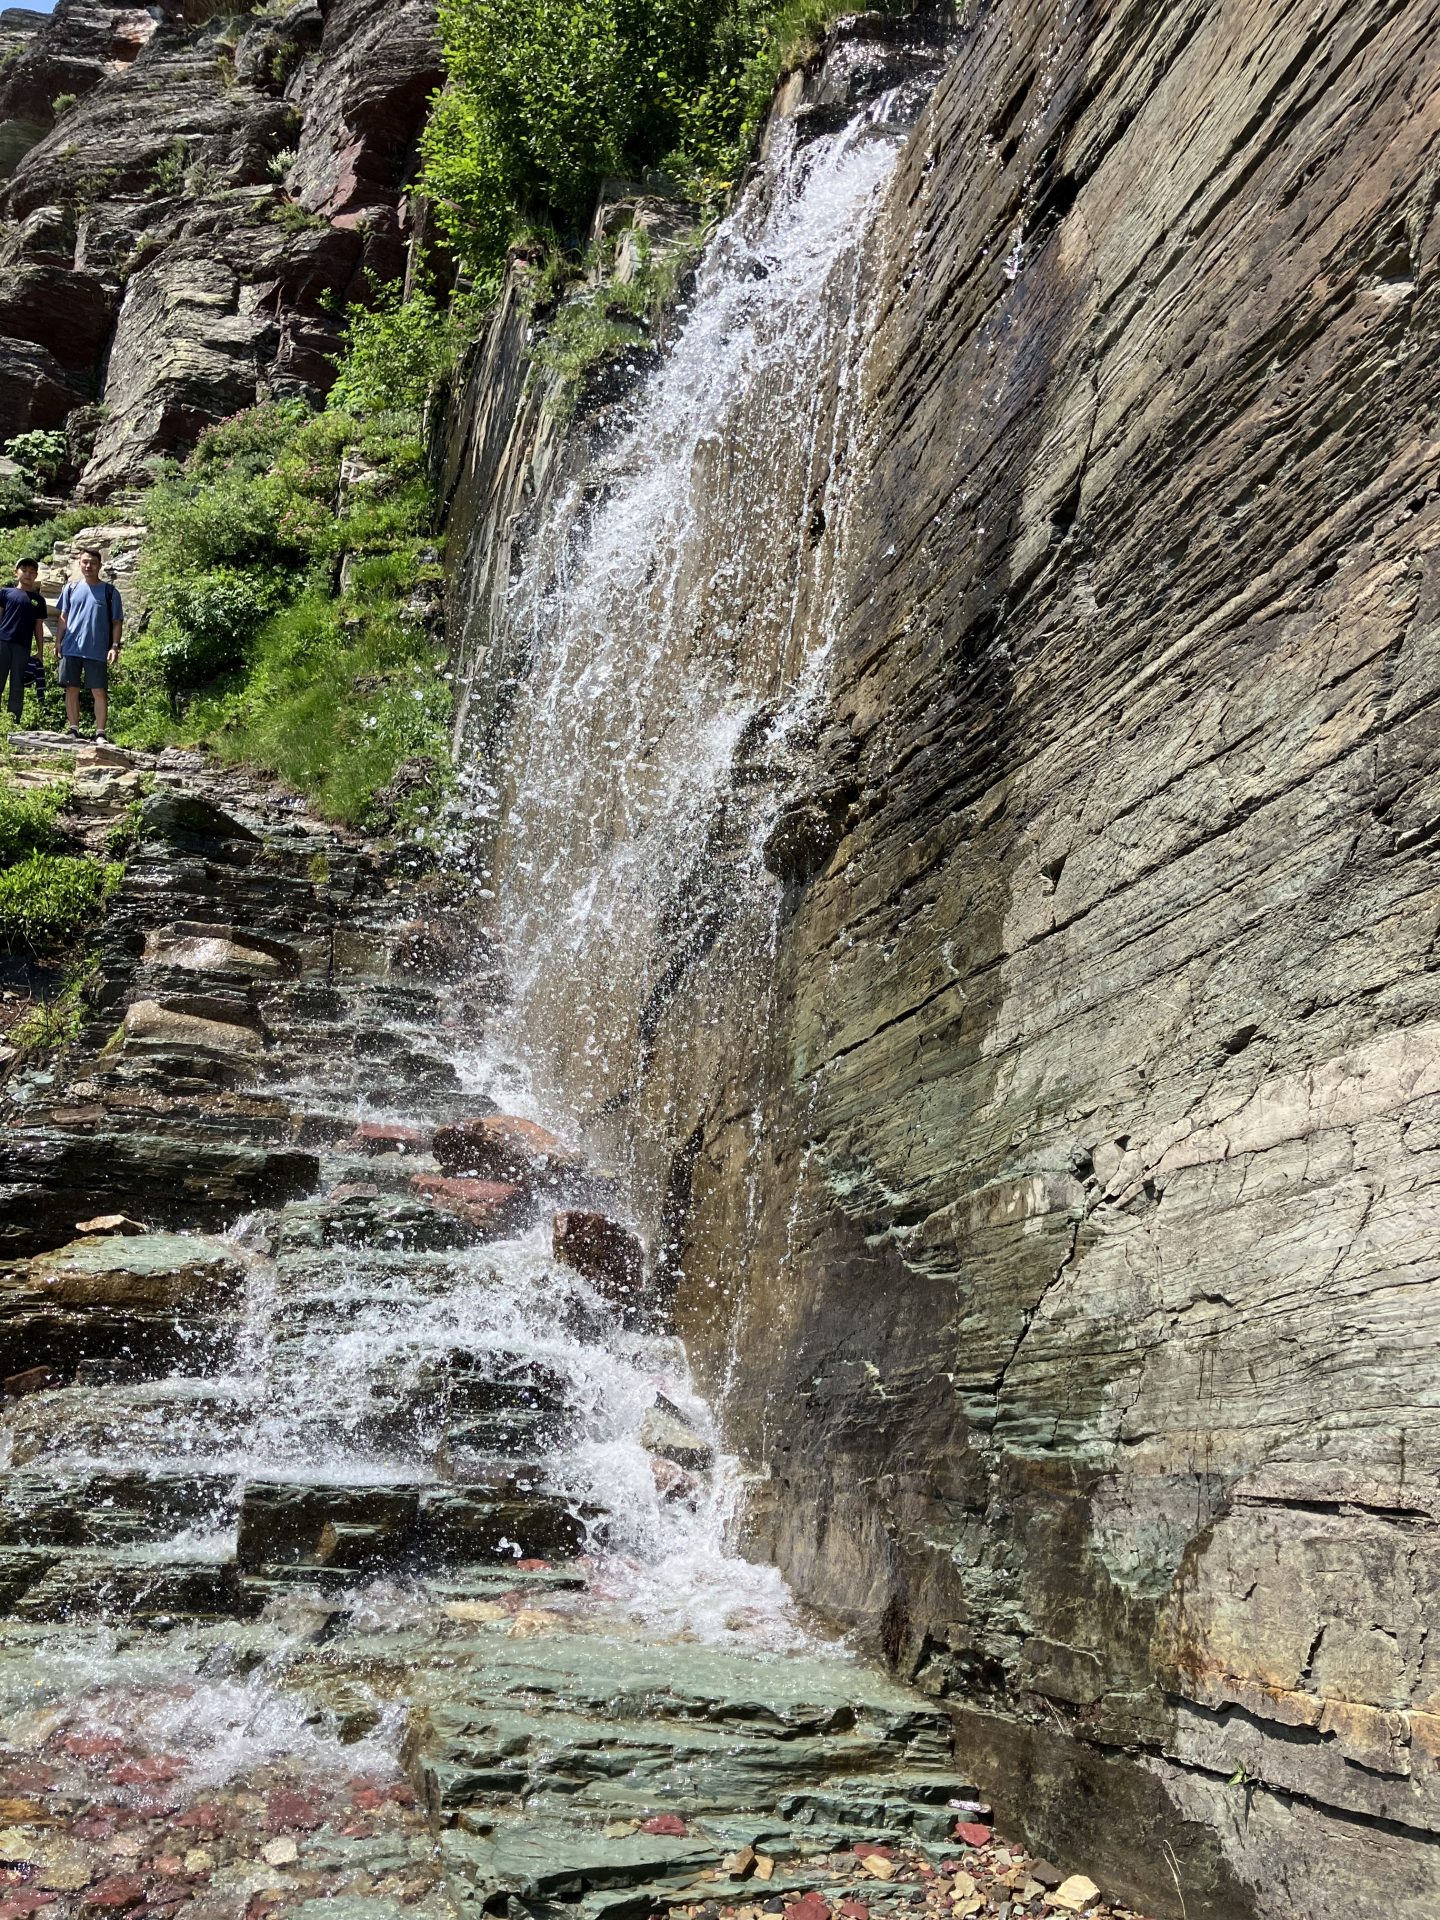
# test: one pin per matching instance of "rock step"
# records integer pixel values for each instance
(364, 1529)
(616, 1765)
(141, 1584)
(163, 1178)
(99, 1507)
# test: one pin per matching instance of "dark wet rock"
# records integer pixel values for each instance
(504, 1148)
(608, 1255)
(349, 1529)
(49, 1175)
(187, 818)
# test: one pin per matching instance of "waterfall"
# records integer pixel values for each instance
(673, 614)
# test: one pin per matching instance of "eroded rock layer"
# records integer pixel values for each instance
(190, 199)
(1067, 1244)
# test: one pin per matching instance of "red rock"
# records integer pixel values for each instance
(93, 1746)
(532, 1566)
(493, 1206)
(204, 1815)
(32, 1380)
(383, 1137)
(667, 1823)
(358, 1830)
(865, 1847)
(504, 1147)
(400, 1795)
(16, 1906)
(119, 1891)
(354, 1190)
(145, 1770)
(971, 1832)
(609, 1256)
(367, 1798)
(97, 1824)
(290, 1812)
(853, 1910)
(810, 1906)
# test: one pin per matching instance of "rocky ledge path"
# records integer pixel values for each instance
(336, 1419)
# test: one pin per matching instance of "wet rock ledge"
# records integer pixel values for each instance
(281, 1625)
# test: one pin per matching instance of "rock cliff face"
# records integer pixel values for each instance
(191, 199)
(1062, 1231)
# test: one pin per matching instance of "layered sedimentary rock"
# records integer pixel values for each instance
(191, 199)
(1066, 1244)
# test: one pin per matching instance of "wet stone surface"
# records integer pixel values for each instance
(361, 1545)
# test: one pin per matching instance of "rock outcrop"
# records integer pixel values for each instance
(190, 199)
(1065, 1243)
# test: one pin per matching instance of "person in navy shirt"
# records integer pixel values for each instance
(91, 621)
(22, 619)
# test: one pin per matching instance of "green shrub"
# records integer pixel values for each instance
(251, 653)
(47, 900)
(395, 351)
(39, 454)
(28, 821)
(205, 622)
(36, 538)
(547, 97)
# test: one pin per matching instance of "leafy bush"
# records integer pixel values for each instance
(48, 899)
(250, 652)
(205, 622)
(395, 350)
(28, 821)
(547, 97)
(39, 454)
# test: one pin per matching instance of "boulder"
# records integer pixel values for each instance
(665, 1432)
(192, 947)
(185, 817)
(153, 1026)
(493, 1207)
(502, 1146)
(388, 1137)
(129, 1271)
(608, 1255)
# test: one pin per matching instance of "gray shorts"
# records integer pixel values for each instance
(93, 675)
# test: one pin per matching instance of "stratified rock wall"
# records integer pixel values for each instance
(1070, 1270)
(192, 198)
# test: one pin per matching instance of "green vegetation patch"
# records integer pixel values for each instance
(28, 821)
(290, 581)
(546, 98)
(48, 900)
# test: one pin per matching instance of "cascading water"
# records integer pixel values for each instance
(698, 527)
(634, 707)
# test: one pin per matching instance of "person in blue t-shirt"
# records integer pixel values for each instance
(22, 619)
(91, 622)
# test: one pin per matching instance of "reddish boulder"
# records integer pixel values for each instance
(32, 1380)
(504, 1147)
(385, 1137)
(496, 1207)
(609, 1256)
